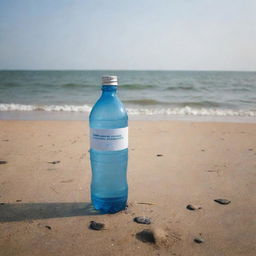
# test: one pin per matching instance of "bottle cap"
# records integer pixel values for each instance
(109, 80)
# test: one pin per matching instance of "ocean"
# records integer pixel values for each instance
(209, 95)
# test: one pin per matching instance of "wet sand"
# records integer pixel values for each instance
(45, 208)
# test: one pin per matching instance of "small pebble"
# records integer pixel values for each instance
(222, 201)
(19, 200)
(146, 236)
(96, 225)
(198, 240)
(54, 162)
(142, 220)
(49, 227)
(192, 207)
(3, 162)
(159, 155)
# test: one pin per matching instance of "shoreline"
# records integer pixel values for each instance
(82, 116)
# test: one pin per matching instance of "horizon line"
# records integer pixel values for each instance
(177, 70)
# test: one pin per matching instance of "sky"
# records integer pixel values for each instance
(134, 34)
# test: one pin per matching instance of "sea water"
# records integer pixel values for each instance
(150, 94)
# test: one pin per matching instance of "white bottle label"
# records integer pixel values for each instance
(109, 139)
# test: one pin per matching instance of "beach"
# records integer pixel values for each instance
(45, 190)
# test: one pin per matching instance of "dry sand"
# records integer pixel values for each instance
(46, 207)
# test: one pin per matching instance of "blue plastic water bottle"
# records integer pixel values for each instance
(109, 150)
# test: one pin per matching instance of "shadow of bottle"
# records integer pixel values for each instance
(33, 211)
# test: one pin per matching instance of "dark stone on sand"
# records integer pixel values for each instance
(96, 225)
(19, 200)
(3, 162)
(199, 240)
(146, 236)
(192, 207)
(54, 162)
(222, 201)
(158, 155)
(142, 220)
(48, 227)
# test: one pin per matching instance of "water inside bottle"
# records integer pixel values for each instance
(109, 205)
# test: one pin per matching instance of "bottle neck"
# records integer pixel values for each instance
(109, 90)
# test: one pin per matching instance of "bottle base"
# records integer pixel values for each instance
(109, 205)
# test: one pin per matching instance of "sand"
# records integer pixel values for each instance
(45, 208)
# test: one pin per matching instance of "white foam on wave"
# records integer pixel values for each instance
(192, 111)
(133, 111)
(65, 108)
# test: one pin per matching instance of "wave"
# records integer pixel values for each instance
(185, 88)
(8, 85)
(136, 86)
(205, 103)
(192, 112)
(65, 108)
(71, 85)
(145, 102)
(123, 86)
(199, 104)
(133, 111)
(77, 85)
